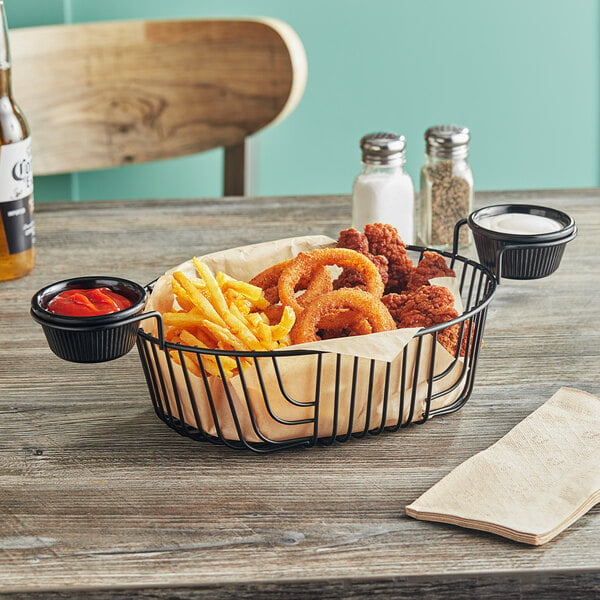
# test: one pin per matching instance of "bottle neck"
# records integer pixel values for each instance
(5, 83)
(5, 74)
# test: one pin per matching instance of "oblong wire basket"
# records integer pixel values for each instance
(301, 397)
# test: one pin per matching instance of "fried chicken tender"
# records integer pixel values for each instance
(384, 240)
(431, 265)
(352, 239)
(409, 297)
(352, 278)
(423, 307)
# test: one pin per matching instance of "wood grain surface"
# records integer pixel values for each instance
(100, 499)
(100, 95)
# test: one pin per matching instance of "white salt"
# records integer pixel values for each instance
(380, 198)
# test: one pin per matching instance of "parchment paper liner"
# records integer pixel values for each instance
(256, 408)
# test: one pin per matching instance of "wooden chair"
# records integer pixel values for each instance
(100, 95)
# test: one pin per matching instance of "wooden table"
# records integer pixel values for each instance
(97, 494)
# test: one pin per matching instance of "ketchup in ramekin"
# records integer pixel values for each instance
(90, 319)
(88, 302)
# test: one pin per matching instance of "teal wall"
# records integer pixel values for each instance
(523, 75)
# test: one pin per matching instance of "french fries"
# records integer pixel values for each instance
(217, 311)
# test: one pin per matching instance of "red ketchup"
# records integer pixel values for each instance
(88, 303)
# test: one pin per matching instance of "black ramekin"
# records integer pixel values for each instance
(90, 339)
(518, 256)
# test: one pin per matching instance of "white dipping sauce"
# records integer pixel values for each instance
(518, 223)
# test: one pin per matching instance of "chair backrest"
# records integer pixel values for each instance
(99, 95)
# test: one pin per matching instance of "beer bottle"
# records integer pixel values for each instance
(17, 235)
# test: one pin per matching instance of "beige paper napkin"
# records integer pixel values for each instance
(534, 482)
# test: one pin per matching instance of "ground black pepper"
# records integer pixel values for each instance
(450, 202)
(446, 186)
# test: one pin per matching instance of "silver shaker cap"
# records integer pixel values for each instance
(383, 148)
(447, 141)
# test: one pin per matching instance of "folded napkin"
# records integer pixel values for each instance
(531, 484)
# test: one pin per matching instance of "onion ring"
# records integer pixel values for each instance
(343, 323)
(306, 263)
(371, 308)
(315, 284)
(270, 276)
(319, 283)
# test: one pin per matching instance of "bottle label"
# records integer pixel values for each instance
(16, 195)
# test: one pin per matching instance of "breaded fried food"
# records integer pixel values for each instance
(314, 285)
(431, 265)
(351, 302)
(423, 307)
(384, 240)
(352, 239)
(307, 263)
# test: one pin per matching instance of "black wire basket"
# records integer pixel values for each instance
(301, 397)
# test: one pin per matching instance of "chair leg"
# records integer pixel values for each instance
(234, 180)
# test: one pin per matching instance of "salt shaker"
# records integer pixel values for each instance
(446, 193)
(383, 192)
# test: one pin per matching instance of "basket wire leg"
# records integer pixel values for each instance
(415, 381)
(351, 408)
(182, 421)
(162, 384)
(386, 397)
(363, 433)
(430, 379)
(143, 353)
(315, 435)
(328, 441)
(191, 395)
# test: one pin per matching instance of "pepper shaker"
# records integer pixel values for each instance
(383, 192)
(446, 193)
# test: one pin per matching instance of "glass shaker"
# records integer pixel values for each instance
(383, 192)
(446, 194)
